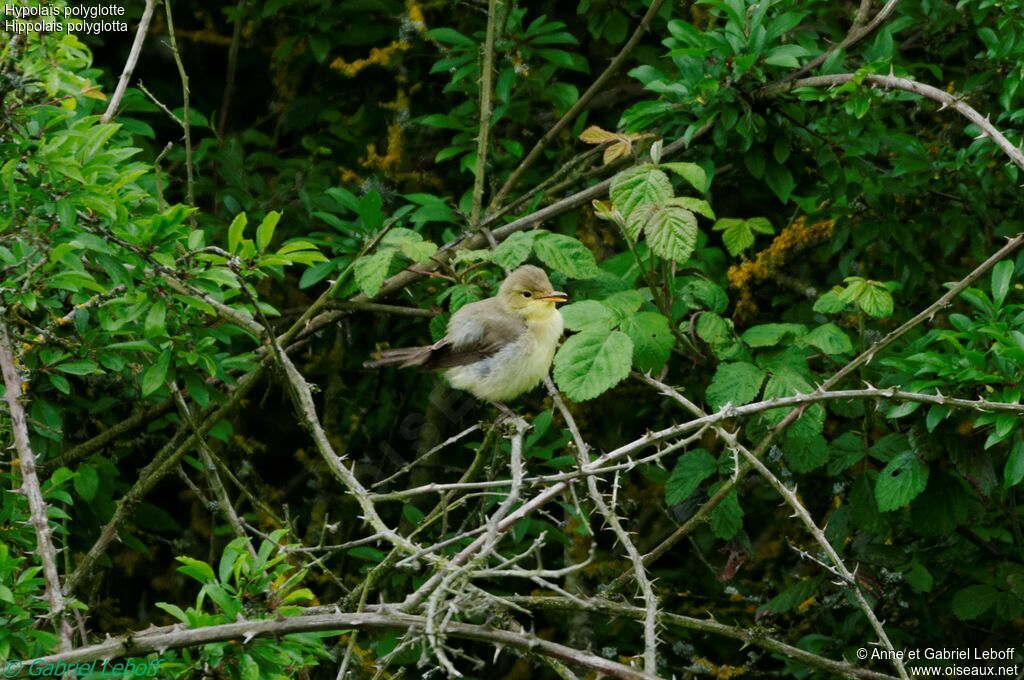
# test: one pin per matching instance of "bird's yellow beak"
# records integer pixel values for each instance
(555, 297)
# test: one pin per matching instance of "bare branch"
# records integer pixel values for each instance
(129, 65)
(32, 490)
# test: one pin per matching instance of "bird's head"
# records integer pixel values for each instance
(528, 293)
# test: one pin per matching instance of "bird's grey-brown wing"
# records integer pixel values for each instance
(477, 331)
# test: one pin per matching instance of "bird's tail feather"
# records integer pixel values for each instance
(404, 356)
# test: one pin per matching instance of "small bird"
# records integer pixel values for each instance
(498, 348)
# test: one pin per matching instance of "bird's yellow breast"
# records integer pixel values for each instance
(517, 367)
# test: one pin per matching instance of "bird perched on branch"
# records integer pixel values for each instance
(498, 348)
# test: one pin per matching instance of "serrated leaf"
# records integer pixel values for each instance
(876, 301)
(727, 517)
(592, 362)
(829, 338)
(761, 225)
(652, 340)
(638, 186)
(690, 470)
(973, 601)
(418, 251)
(514, 250)
(589, 315)
(900, 481)
(566, 255)
(736, 234)
(829, 303)
(595, 135)
(697, 205)
(670, 229)
(372, 270)
(691, 172)
(734, 383)
(805, 453)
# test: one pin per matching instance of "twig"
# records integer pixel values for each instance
(639, 571)
(744, 635)
(186, 124)
(165, 461)
(941, 96)
(229, 80)
(580, 105)
(486, 85)
(129, 65)
(32, 490)
(140, 643)
(207, 456)
(847, 577)
(858, 31)
(86, 448)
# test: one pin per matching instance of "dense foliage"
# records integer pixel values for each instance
(753, 205)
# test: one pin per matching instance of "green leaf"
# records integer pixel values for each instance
(692, 468)
(638, 186)
(736, 383)
(900, 481)
(793, 596)
(736, 234)
(697, 205)
(79, 367)
(652, 340)
(771, 334)
(691, 172)
(761, 225)
(514, 250)
(671, 230)
(1002, 277)
(919, 578)
(154, 376)
(566, 255)
(973, 601)
(876, 300)
(418, 251)
(829, 303)
(1014, 470)
(86, 482)
(372, 270)
(727, 517)
(155, 325)
(235, 232)
(805, 453)
(829, 338)
(197, 569)
(592, 362)
(450, 36)
(589, 315)
(265, 232)
(779, 180)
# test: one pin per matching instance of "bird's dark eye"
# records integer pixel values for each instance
(527, 294)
